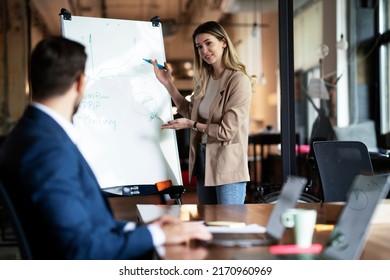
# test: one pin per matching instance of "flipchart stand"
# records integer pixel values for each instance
(163, 188)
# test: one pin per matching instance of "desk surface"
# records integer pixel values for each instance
(377, 246)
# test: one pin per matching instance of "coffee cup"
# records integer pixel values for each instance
(303, 222)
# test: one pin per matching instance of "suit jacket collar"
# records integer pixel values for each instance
(59, 119)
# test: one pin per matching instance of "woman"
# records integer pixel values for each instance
(218, 114)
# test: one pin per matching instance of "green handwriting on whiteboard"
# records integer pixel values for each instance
(89, 119)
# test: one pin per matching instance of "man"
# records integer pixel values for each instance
(55, 192)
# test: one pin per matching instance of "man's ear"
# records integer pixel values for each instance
(80, 83)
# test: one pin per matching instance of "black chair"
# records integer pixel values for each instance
(274, 196)
(338, 162)
(24, 247)
(267, 181)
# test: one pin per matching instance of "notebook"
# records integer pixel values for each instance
(349, 235)
(274, 230)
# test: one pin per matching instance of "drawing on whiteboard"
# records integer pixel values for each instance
(124, 106)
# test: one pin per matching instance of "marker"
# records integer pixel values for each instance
(225, 224)
(158, 65)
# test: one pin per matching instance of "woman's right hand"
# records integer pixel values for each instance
(164, 76)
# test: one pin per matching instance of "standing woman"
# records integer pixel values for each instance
(218, 115)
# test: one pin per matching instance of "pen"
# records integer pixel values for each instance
(158, 65)
(225, 224)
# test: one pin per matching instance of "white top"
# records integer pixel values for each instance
(211, 92)
(204, 107)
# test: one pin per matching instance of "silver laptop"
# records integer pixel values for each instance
(288, 198)
(349, 236)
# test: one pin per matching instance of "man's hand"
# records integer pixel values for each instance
(177, 232)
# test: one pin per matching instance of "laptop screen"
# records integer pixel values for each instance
(288, 198)
(349, 236)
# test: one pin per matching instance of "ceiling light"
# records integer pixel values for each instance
(187, 65)
(342, 44)
(322, 51)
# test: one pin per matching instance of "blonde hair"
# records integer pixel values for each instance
(202, 70)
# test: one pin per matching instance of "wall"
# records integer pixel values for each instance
(263, 110)
(268, 98)
(14, 43)
(13, 66)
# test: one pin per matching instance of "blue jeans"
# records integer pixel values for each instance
(225, 194)
(231, 193)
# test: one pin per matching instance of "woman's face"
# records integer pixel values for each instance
(210, 49)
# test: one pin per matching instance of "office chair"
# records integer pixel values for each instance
(338, 162)
(24, 247)
(274, 196)
(264, 184)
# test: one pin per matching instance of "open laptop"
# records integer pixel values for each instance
(274, 230)
(349, 235)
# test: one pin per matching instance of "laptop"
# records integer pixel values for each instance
(274, 230)
(349, 235)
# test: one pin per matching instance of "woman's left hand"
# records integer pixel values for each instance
(177, 124)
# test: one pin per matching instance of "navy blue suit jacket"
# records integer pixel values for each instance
(58, 198)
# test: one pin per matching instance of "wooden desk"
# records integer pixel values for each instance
(377, 246)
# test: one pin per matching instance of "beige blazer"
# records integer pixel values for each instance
(227, 141)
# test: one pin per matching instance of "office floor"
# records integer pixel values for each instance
(8, 247)
(9, 253)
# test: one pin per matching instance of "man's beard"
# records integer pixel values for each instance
(75, 109)
(77, 104)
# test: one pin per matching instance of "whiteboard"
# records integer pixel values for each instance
(119, 119)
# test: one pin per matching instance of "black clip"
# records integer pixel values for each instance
(130, 190)
(66, 14)
(155, 21)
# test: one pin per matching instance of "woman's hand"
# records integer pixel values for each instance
(164, 76)
(178, 124)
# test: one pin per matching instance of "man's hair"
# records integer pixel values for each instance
(55, 64)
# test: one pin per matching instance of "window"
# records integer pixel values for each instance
(384, 59)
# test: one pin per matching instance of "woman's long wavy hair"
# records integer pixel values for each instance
(202, 70)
